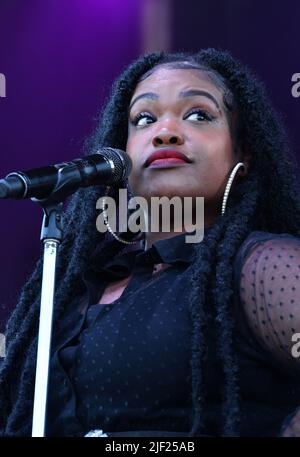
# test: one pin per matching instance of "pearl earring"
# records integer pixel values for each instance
(229, 183)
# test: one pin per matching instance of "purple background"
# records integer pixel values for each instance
(60, 57)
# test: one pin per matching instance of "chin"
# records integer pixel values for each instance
(167, 191)
(163, 187)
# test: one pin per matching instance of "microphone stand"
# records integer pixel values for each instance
(52, 236)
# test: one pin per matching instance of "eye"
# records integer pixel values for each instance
(142, 119)
(198, 115)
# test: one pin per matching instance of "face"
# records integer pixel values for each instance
(180, 112)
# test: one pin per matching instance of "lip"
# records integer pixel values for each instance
(167, 155)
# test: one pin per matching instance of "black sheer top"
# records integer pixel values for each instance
(125, 365)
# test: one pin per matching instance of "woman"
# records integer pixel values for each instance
(154, 336)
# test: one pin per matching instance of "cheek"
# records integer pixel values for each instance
(221, 151)
(132, 149)
(134, 177)
(215, 162)
(129, 146)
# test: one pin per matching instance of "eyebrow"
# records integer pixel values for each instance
(182, 94)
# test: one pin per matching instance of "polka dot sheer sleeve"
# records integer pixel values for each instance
(270, 297)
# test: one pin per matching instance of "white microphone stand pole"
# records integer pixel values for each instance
(51, 235)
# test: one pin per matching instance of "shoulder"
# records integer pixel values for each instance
(268, 281)
(265, 250)
(261, 241)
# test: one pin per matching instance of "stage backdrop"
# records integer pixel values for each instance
(59, 58)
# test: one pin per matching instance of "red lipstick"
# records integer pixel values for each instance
(166, 157)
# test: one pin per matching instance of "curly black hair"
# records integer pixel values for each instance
(266, 199)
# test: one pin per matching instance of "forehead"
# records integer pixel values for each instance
(171, 78)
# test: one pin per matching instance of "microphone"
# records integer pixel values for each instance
(108, 166)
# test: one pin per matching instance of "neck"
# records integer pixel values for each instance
(152, 237)
(177, 229)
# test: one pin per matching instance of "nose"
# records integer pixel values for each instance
(167, 136)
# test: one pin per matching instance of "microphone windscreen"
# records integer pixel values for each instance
(121, 160)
